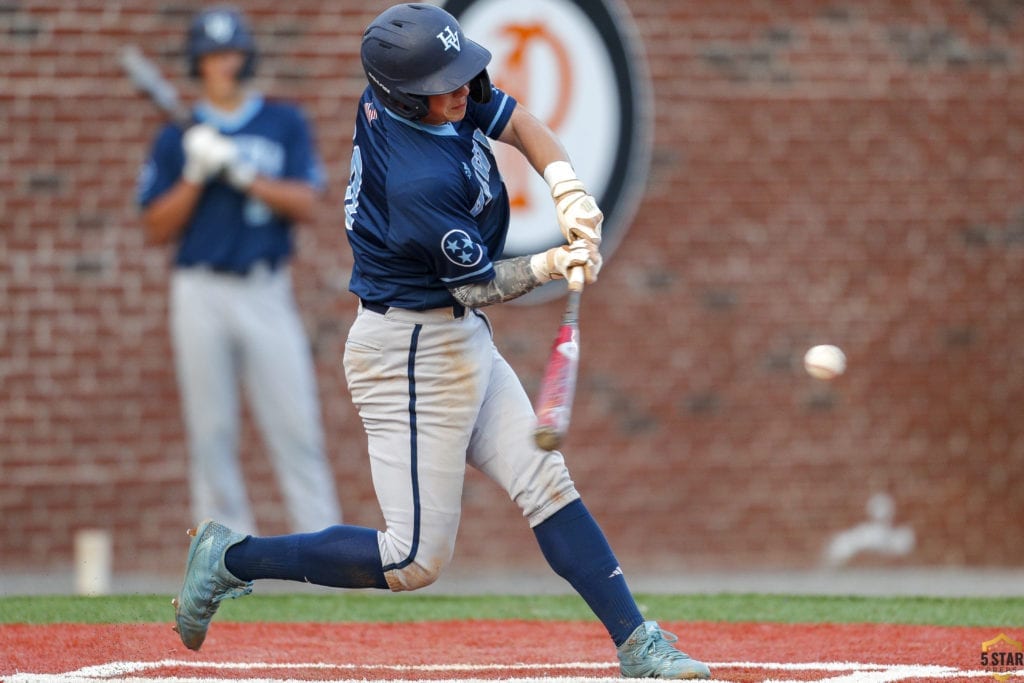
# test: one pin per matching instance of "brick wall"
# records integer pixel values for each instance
(822, 171)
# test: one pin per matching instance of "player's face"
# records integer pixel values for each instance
(447, 107)
(219, 71)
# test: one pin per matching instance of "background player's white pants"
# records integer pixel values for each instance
(229, 330)
(434, 393)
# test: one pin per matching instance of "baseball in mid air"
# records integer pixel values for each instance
(825, 361)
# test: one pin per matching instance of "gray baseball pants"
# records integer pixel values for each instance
(229, 330)
(435, 395)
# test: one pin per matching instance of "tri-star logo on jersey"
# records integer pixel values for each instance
(460, 249)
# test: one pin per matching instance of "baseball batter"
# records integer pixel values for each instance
(227, 191)
(426, 214)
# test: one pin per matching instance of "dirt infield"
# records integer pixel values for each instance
(484, 650)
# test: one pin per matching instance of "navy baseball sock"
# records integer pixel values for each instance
(339, 556)
(575, 547)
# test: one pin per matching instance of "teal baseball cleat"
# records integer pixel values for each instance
(207, 582)
(648, 653)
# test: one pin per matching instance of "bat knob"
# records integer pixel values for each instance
(547, 438)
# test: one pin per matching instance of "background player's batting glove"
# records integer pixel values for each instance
(206, 153)
(578, 214)
(554, 264)
(240, 174)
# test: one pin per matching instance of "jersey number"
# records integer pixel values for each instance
(355, 184)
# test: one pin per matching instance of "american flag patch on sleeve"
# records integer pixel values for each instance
(370, 112)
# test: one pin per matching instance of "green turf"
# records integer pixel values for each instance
(386, 607)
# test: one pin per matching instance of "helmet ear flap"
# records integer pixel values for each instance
(406, 105)
(480, 88)
(412, 107)
(248, 67)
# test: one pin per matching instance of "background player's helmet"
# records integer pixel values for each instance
(216, 29)
(411, 51)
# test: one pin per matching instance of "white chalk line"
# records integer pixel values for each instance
(848, 672)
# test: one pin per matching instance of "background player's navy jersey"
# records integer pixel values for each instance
(426, 208)
(230, 230)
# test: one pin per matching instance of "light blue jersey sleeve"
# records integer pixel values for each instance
(492, 117)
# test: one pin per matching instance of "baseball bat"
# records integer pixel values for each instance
(147, 77)
(558, 385)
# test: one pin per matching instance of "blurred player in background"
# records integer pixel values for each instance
(227, 192)
(427, 214)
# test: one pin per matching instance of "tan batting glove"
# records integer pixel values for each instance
(207, 153)
(578, 214)
(554, 264)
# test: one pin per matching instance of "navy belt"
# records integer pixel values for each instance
(243, 271)
(458, 310)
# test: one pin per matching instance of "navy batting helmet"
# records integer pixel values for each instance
(217, 29)
(411, 51)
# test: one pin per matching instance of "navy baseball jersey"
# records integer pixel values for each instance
(426, 208)
(229, 230)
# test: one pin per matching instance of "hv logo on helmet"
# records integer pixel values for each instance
(219, 27)
(578, 66)
(449, 38)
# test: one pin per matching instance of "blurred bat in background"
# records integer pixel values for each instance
(147, 77)
(558, 386)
